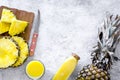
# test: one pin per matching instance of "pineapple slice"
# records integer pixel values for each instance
(17, 27)
(23, 50)
(7, 16)
(9, 52)
(4, 27)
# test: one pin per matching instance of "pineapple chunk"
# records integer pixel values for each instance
(17, 27)
(7, 16)
(9, 51)
(4, 27)
(23, 51)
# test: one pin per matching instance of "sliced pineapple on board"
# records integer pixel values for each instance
(17, 27)
(7, 16)
(23, 50)
(9, 52)
(4, 27)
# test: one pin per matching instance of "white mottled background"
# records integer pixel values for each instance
(66, 26)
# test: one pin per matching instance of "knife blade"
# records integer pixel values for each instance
(35, 35)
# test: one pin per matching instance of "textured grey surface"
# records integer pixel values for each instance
(66, 26)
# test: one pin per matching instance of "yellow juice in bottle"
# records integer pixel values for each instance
(35, 69)
(67, 68)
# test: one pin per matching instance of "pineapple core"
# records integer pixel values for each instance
(7, 16)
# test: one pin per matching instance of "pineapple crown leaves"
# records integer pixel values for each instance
(108, 38)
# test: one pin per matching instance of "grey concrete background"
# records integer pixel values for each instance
(66, 27)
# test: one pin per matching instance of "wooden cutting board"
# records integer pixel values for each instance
(22, 15)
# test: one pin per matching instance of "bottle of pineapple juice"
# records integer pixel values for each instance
(66, 68)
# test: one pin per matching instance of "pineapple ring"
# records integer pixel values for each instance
(24, 51)
(9, 52)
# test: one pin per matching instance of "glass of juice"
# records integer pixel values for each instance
(35, 69)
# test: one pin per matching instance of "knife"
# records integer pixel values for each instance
(35, 35)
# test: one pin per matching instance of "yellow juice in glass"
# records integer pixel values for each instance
(35, 69)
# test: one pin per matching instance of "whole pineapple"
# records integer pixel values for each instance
(103, 53)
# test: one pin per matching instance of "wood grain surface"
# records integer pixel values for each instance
(22, 15)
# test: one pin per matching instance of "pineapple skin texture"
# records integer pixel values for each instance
(66, 69)
(92, 72)
(17, 27)
(4, 27)
(23, 51)
(7, 16)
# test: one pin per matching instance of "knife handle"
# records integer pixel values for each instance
(33, 44)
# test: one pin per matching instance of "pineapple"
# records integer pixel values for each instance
(23, 50)
(92, 72)
(9, 52)
(7, 16)
(17, 27)
(103, 53)
(4, 27)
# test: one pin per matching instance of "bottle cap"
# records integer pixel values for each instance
(76, 56)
